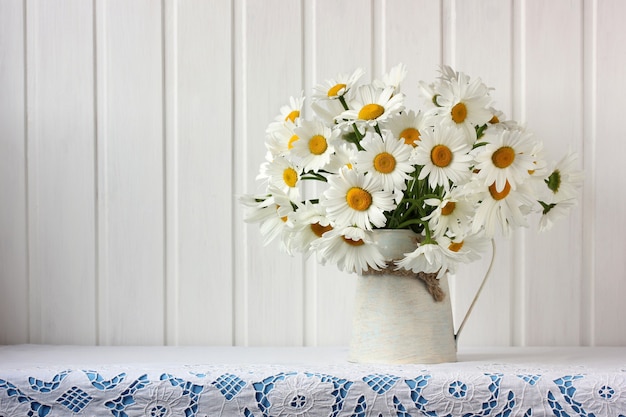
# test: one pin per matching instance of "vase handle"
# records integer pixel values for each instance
(482, 284)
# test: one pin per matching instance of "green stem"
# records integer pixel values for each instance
(411, 222)
(313, 176)
(343, 103)
(358, 137)
(357, 142)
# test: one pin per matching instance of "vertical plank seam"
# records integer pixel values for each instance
(311, 271)
(304, 85)
(233, 227)
(441, 32)
(164, 179)
(518, 273)
(95, 175)
(26, 177)
(102, 188)
(233, 125)
(34, 299)
(590, 45)
(240, 293)
(378, 41)
(174, 169)
(169, 116)
(448, 33)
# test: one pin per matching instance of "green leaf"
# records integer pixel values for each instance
(547, 207)
(554, 181)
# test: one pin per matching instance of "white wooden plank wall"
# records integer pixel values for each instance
(128, 129)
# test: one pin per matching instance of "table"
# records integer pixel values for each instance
(42, 380)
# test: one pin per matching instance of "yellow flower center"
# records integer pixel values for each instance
(499, 195)
(333, 91)
(371, 111)
(318, 145)
(441, 156)
(293, 115)
(459, 113)
(494, 120)
(291, 141)
(448, 208)
(455, 246)
(353, 242)
(319, 230)
(290, 176)
(349, 165)
(503, 157)
(410, 136)
(384, 163)
(358, 199)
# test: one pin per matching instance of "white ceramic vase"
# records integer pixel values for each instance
(396, 319)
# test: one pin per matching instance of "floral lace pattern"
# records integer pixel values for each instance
(331, 391)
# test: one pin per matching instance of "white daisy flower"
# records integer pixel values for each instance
(393, 78)
(353, 198)
(555, 211)
(258, 207)
(386, 159)
(498, 119)
(285, 210)
(450, 75)
(337, 87)
(280, 138)
(507, 157)
(452, 214)
(329, 111)
(428, 93)
(351, 249)
(464, 249)
(463, 103)
(282, 174)
(505, 209)
(310, 224)
(315, 145)
(540, 166)
(274, 214)
(344, 157)
(539, 172)
(407, 126)
(372, 105)
(565, 180)
(292, 111)
(427, 257)
(443, 154)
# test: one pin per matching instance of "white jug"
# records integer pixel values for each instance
(396, 319)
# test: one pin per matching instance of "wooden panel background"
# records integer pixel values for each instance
(128, 129)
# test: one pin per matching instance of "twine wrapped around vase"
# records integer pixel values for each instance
(430, 279)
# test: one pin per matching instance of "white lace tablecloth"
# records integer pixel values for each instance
(233, 381)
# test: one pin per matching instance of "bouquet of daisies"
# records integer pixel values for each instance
(455, 172)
